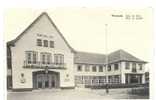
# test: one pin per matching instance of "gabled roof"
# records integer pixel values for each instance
(93, 58)
(12, 42)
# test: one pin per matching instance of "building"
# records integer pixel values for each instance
(122, 68)
(40, 57)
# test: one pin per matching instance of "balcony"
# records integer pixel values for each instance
(43, 65)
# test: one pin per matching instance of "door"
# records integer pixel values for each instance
(43, 80)
(53, 81)
(40, 81)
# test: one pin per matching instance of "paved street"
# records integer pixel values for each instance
(73, 94)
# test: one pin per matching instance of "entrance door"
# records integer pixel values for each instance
(53, 81)
(46, 80)
(42, 80)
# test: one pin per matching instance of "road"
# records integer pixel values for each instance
(73, 94)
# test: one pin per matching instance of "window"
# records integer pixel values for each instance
(29, 60)
(46, 58)
(43, 59)
(34, 58)
(94, 68)
(117, 79)
(127, 65)
(87, 68)
(140, 66)
(45, 43)
(109, 68)
(100, 68)
(58, 59)
(79, 68)
(102, 79)
(31, 57)
(39, 42)
(52, 44)
(116, 66)
(110, 79)
(134, 67)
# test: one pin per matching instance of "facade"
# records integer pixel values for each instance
(40, 57)
(122, 68)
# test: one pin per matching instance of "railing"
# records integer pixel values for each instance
(43, 65)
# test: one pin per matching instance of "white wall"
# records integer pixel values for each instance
(28, 42)
(97, 73)
(121, 71)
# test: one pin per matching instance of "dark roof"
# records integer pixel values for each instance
(93, 58)
(89, 58)
(12, 42)
(121, 55)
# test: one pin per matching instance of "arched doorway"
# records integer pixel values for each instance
(46, 80)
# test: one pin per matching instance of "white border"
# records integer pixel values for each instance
(74, 3)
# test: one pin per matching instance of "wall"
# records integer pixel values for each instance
(28, 42)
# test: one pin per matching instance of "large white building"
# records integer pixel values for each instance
(40, 57)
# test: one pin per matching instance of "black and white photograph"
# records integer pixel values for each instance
(78, 53)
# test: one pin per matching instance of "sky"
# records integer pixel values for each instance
(85, 28)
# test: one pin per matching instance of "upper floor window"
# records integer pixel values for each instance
(109, 68)
(31, 57)
(39, 42)
(79, 68)
(140, 67)
(52, 44)
(87, 68)
(46, 58)
(58, 59)
(100, 68)
(94, 68)
(127, 65)
(134, 67)
(116, 66)
(45, 43)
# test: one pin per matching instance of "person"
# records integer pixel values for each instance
(107, 88)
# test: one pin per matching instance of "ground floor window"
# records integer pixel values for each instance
(90, 80)
(114, 79)
(97, 80)
(133, 78)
